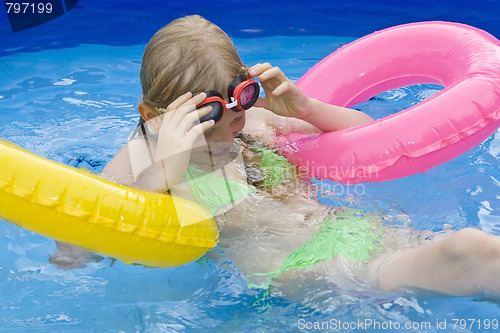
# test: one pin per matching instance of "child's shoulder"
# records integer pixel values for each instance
(119, 167)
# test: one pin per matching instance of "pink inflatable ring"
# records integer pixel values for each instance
(463, 59)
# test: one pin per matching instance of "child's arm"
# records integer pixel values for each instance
(285, 99)
(179, 131)
(157, 166)
(264, 125)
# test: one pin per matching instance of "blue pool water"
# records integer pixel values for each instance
(75, 103)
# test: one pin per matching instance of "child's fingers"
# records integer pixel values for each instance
(179, 101)
(199, 129)
(189, 106)
(283, 88)
(193, 118)
(203, 111)
(258, 69)
(272, 73)
(206, 125)
(169, 115)
(196, 100)
(183, 104)
(174, 118)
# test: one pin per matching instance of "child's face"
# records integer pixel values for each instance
(227, 128)
(232, 121)
(214, 146)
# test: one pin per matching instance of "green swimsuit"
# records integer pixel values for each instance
(214, 192)
(352, 234)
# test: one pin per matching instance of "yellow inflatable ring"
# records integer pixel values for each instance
(72, 206)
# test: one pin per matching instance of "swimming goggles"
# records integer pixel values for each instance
(243, 93)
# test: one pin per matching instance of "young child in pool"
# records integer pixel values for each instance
(191, 56)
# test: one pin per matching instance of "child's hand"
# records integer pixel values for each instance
(178, 133)
(282, 96)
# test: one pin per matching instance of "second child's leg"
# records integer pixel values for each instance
(70, 256)
(464, 263)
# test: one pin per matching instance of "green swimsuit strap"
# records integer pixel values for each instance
(212, 191)
(215, 192)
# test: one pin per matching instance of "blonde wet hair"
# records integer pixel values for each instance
(189, 54)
